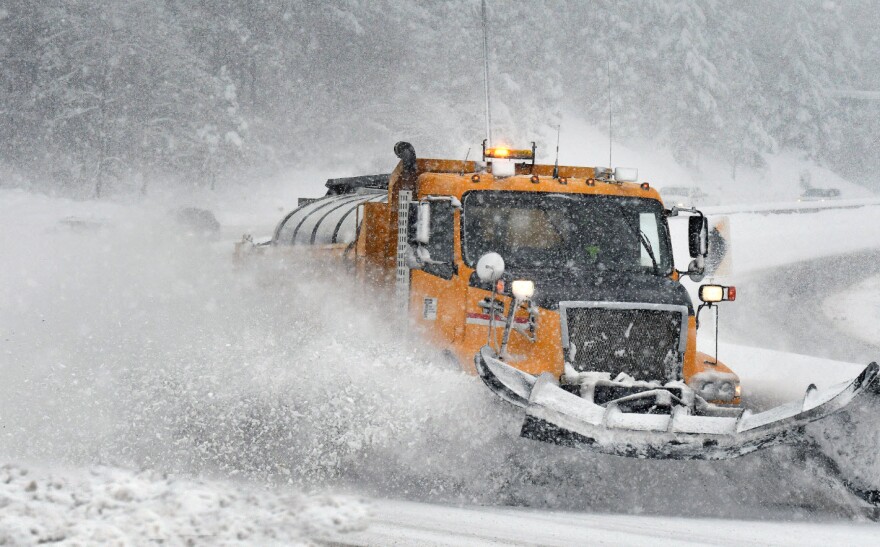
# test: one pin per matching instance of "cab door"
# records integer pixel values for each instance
(437, 292)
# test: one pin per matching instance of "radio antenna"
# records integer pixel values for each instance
(556, 163)
(486, 74)
(610, 126)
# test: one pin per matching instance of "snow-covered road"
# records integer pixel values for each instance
(402, 523)
(801, 296)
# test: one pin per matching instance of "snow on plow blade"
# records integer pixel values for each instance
(555, 415)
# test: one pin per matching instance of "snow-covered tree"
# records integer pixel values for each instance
(745, 107)
(195, 90)
(688, 98)
(801, 116)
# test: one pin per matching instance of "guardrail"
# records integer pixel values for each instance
(791, 207)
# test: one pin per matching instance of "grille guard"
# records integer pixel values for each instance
(555, 415)
(673, 344)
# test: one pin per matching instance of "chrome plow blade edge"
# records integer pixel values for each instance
(555, 415)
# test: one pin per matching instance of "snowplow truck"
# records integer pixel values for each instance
(556, 286)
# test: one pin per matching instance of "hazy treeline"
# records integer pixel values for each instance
(99, 94)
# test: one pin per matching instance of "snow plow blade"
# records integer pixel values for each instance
(555, 415)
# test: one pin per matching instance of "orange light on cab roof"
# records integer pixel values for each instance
(503, 152)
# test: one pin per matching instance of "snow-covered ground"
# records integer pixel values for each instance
(110, 506)
(857, 310)
(152, 391)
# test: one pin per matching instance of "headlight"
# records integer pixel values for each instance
(706, 389)
(711, 294)
(522, 289)
(725, 391)
(716, 386)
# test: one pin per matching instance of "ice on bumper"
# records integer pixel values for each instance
(599, 388)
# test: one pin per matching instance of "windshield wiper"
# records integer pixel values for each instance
(647, 244)
(643, 238)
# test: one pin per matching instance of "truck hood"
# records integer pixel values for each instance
(553, 288)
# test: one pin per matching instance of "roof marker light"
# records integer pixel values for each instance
(646, 186)
(563, 180)
(475, 178)
(626, 174)
(535, 179)
(591, 182)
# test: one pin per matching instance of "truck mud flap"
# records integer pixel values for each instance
(555, 415)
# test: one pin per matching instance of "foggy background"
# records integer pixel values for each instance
(150, 388)
(113, 97)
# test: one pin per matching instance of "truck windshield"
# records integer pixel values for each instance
(577, 232)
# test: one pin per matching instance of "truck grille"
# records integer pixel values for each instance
(646, 343)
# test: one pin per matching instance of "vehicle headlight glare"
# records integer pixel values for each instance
(711, 293)
(522, 289)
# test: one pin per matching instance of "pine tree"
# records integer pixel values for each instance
(689, 93)
(744, 108)
(799, 119)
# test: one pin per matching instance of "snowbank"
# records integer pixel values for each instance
(103, 505)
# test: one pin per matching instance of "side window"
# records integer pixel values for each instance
(442, 240)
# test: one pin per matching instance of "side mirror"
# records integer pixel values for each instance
(698, 236)
(423, 223)
(490, 267)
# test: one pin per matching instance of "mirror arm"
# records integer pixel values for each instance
(676, 209)
(418, 257)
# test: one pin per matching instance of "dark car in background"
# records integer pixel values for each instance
(819, 194)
